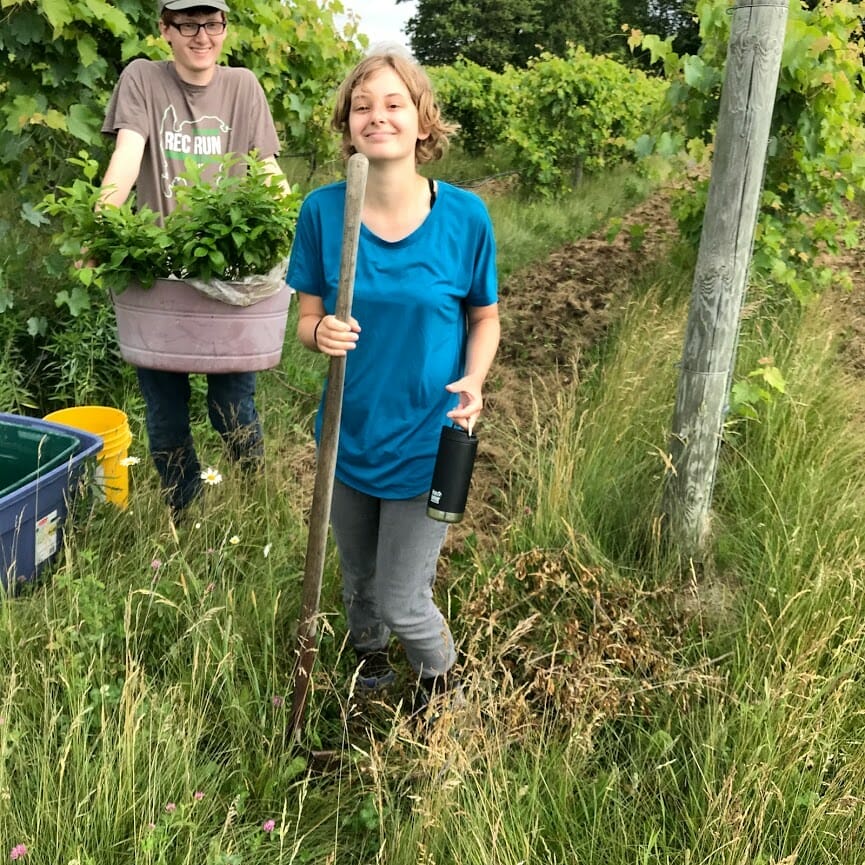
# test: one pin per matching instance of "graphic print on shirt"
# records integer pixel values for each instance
(199, 139)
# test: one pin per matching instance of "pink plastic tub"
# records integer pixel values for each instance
(172, 326)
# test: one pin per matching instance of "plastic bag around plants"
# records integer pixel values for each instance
(247, 291)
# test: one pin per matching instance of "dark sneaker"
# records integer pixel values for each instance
(436, 696)
(374, 672)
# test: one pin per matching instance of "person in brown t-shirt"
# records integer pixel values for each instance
(163, 112)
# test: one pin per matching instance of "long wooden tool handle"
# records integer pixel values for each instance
(319, 517)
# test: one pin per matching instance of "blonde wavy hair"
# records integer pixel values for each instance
(420, 90)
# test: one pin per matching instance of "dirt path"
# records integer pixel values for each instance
(849, 308)
(557, 308)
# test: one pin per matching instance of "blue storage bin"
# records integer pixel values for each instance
(32, 515)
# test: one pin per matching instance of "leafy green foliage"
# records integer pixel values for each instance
(589, 23)
(299, 53)
(560, 115)
(81, 360)
(239, 225)
(501, 33)
(111, 246)
(13, 391)
(672, 19)
(478, 99)
(578, 112)
(816, 162)
(757, 389)
(491, 33)
(61, 60)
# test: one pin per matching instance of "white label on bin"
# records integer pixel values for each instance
(47, 536)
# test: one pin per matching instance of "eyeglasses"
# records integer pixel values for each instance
(191, 28)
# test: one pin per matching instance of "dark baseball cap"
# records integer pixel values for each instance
(180, 5)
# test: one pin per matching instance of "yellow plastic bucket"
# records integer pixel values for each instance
(112, 425)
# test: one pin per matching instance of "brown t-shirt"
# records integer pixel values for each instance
(180, 121)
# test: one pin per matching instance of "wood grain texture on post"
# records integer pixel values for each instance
(319, 517)
(723, 261)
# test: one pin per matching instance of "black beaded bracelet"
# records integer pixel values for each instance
(315, 332)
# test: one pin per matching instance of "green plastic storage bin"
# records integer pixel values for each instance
(27, 452)
(33, 514)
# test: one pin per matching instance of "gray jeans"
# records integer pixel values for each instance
(388, 552)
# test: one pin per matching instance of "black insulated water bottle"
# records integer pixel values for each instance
(452, 475)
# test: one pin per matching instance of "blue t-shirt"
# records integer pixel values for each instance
(410, 299)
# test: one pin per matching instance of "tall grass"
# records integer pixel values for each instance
(764, 763)
(619, 710)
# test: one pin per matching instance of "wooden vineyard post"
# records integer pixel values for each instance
(720, 278)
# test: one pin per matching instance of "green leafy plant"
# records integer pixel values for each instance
(560, 116)
(636, 232)
(478, 99)
(757, 389)
(122, 245)
(240, 225)
(578, 113)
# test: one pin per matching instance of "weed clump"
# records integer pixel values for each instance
(579, 642)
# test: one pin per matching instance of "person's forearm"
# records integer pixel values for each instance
(483, 342)
(306, 330)
(123, 167)
(115, 189)
(276, 172)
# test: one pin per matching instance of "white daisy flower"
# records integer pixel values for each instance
(130, 461)
(211, 476)
(234, 539)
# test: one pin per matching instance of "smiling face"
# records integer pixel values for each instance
(383, 119)
(195, 57)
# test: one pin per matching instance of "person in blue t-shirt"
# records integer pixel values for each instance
(423, 334)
